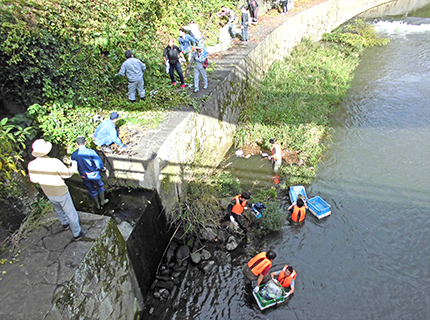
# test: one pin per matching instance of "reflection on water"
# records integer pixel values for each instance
(370, 258)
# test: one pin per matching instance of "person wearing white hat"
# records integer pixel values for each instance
(50, 173)
(199, 69)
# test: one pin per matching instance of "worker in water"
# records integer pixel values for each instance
(276, 156)
(298, 210)
(237, 206)
(286, 277)
(258, 268)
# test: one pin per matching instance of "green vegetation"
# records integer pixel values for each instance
(294, 103)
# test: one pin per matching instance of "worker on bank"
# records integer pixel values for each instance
(199, 68)
(257, 269)
(298, 210)
(50, 173)
(171, 56)
(195, 31)
(232, 20)
(245, 24)
(286, 277)
(237, 206)
(89, 167)
(106, 134)
(134, 69)
(276, 156)
(187, 44)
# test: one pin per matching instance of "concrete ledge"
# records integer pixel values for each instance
(58, 278)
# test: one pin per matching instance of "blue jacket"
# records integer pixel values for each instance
(89, 162)
(133, 68)
(185, 42)
(106, 134)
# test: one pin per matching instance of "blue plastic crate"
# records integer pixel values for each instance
(295, 191)
(319, 207)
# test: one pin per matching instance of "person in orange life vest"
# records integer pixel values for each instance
(258, 268)
(276, 156)
(298, 210)
(236, 208)
(286, 278)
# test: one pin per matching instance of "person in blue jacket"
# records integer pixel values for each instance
(186, 43)
(106, 134)
(134, 69)
(89, 166)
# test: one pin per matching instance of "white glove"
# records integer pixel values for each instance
(256, 289)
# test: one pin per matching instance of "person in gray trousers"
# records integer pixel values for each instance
(199, 59)
(134, 69)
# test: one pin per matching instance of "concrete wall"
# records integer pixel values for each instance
(213, 128)
(103, 285)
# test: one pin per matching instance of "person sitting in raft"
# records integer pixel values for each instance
(298, 211)
(237, 206)
(286, 277)
(258, 268)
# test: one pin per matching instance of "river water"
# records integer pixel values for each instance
(371, 258)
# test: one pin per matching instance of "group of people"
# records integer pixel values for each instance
(190, 50)
(50, 173)
(257, 270)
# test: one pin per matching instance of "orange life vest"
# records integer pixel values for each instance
(285, 281)
(276, 152)
(258, 268)
(298, 214)
(238, 207)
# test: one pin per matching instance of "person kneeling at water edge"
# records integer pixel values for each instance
(236, 208)
(258, 268)
(298, 211)
(106, 134)
(286, 277)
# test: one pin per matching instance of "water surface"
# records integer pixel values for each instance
(370, 258)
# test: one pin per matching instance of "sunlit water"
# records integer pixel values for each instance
(370, 258)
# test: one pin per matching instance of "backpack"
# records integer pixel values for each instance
(206, 63)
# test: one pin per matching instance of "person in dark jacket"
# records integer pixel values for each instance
(171, 56)
(253, 4)
(89, 167)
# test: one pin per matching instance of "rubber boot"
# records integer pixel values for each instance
(103, 201)
(97, 203)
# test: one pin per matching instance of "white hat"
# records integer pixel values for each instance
(41, 148)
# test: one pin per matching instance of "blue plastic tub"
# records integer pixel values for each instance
(295, 191)
(319, 207)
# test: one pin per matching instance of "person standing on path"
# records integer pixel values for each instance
(106, 134)
(89, 165)
(199, 59)
(50, 173)
(186, 43)
(253, 4)
(245, 24)
(171, 56)
(134, 69)
(284, 4)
